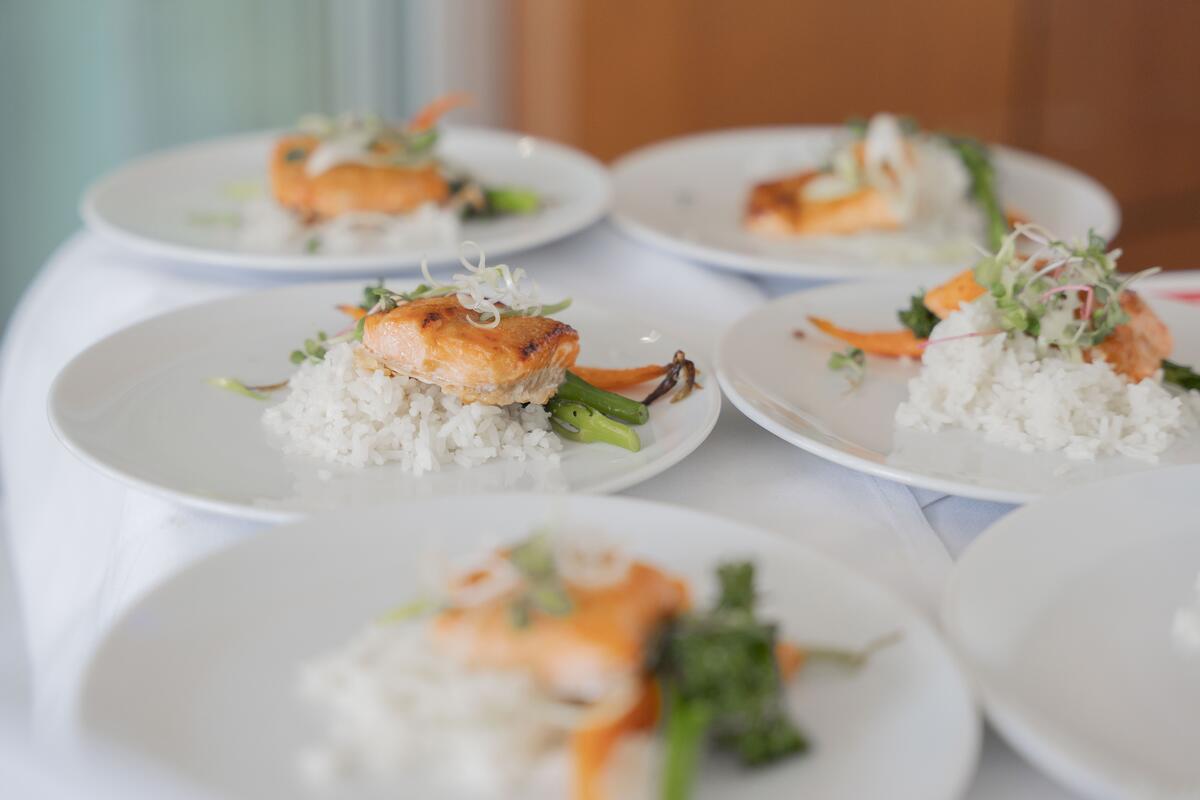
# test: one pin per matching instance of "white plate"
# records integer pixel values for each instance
(784, 384)
(137, 406)
(1063, 610)
(687, 196)
(150, 204)
(201, 673)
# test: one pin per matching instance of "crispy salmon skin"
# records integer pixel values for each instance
(522, 360)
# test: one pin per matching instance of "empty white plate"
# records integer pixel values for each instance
(164, 204)
(784, 384)
(1063, 612)
(137, 406)
(201, 674)
(687, 196)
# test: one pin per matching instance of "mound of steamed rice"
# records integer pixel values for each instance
(342, 413)
(398, 711)
(1003, 388)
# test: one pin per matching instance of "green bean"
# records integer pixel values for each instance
(607, 403)
(581, 423)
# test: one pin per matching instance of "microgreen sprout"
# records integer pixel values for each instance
(1065, 295)
(253, 392)
(851, 361)
(493, 293)
(544, 592)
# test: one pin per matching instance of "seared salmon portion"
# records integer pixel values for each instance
(780, 207)
(1137, 348)
(346, 187)
(521, 360)
(595, 649)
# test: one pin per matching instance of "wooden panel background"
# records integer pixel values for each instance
(1110, 87)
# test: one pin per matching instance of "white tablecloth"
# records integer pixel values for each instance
(83, 547)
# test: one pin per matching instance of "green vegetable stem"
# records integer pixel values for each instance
(610, 404)
(581, 423)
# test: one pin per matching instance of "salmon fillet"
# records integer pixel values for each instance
(385, 189)
(1137, 348)
(779, 207)
(522, 360)
(596, 648)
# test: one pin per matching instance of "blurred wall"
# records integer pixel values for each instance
(1108, 87)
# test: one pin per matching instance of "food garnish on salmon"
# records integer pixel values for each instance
(1069, 297)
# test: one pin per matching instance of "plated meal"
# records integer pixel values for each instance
(602, 655)
(462, 383)
(889, 176)
(352, 183)
(1039, 368)
(1046, 349)
(872, 197)
(457, 373)
(561, 648)
(349, 194)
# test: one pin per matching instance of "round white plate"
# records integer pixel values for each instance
(138, 407)
(687, 196)
(201, 674)
(1063, 613)
(784, 384)
(151, 204)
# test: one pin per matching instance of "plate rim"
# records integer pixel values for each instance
(619, 482)
(1168, 281)
(964, 687)
(347, 265)
(782, 267)
(1013, 719)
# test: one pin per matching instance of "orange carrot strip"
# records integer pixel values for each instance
(613, 379)
(790, 658)
(945, 299)
(592, 745)
(428, 116)
(353, 312)
(880, 343)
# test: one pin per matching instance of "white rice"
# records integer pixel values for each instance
(265, 226)
(398, 709)
(341, 413)
(395, 706)
(1001, 387)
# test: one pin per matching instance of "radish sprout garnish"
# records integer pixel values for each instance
(1067, 296)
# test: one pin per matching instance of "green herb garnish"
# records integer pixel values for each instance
(853, 362)
(313, 244)
(917, 317)
(1068, 296)
(722, 685)
(544, 591)
(295, 154)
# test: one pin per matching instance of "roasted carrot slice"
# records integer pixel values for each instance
(592, 745)
(880, 343)
(428, 116)
(614, 379)
(945, 299)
